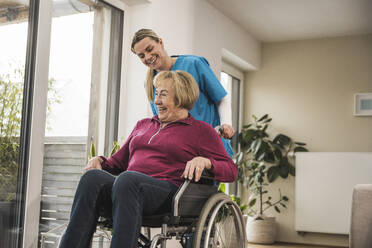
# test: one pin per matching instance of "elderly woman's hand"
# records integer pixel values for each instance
(94, 163)
(195, 167)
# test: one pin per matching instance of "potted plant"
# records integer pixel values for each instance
(261, 161)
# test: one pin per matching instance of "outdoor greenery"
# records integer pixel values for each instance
(93, 153)
(262, 160)
(11, 92)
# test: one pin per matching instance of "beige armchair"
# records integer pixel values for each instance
(361, 217)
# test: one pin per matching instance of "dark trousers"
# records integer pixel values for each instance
(126, 198)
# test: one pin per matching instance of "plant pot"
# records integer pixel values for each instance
(261, 229)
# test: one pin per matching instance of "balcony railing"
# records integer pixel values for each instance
(64, 160)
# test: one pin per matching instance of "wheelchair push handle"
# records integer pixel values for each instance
(207, 178)
(220, 130)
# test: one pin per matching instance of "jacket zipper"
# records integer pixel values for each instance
(154, 135)
(160, 128)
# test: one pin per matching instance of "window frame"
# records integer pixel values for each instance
(232, 188)
(32, 138)
(233, 71)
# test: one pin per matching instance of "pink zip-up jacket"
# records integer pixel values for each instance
(162, 153)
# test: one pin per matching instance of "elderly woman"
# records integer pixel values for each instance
(157, 156)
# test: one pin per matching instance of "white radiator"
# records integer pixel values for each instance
(324, 185)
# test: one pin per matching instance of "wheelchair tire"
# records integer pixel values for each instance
(220, 224)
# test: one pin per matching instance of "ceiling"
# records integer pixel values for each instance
(283, 20)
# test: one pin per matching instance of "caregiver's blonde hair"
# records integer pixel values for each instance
(138, 36)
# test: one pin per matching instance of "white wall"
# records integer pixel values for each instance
(173, 25)
(307, 87)
(214, 33)
(187, 27)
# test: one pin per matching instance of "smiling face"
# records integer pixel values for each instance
(165, 102)
(151, 53)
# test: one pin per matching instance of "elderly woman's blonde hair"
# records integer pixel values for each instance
(138, 36)
(186, 90)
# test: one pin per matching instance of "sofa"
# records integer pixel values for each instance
(361, 217)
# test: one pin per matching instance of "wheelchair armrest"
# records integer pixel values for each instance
(178, 195)
(193, 192)
(207, 174)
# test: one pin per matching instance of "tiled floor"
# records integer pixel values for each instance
(286, 245)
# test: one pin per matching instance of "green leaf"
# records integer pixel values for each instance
(282, 139)
(264, 129)
(115, 148)
(255, 146)
(300, 143)
(300, 149)
(278, 152)
(284, 168)
(272, 173)
(247, 136)
(263, 117)
(92, 150)
(242, 208)
(261, 156)
(292, 170)
(247, 126)
(252, 202)
(285, 198)
(221, 188)
(238, 158)
(283, 171)
(276, 209)
(267, 121)
(270, 157)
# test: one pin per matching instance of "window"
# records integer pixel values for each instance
(83, 99)
(232, 79)
(85, 61)
(67, 119)
(232, 86)
(17, 21)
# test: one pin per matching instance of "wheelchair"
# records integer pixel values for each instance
(201, 217)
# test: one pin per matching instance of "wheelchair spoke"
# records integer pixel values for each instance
(220, 225)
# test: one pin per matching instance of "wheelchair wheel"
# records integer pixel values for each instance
(220, 224)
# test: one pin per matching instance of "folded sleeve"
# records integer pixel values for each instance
(208, 82)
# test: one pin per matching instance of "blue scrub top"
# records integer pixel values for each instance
(211, 91)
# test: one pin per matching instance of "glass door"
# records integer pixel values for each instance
(15, 89)
(67, 116)
(82, 106)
